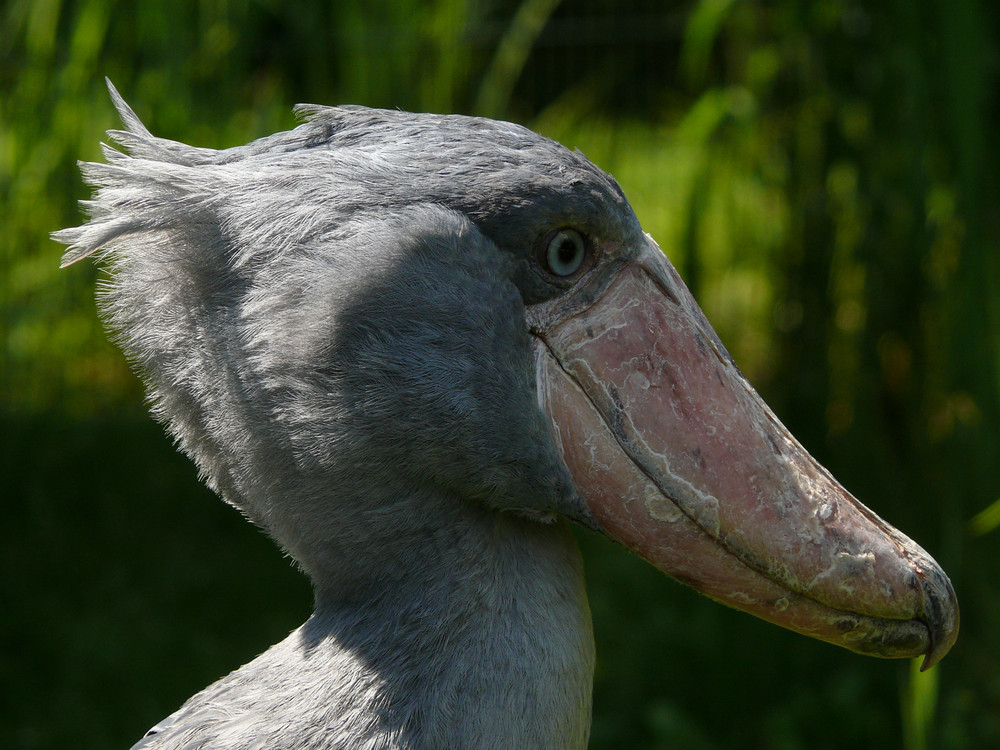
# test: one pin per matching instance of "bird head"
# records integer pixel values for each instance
(379, 321)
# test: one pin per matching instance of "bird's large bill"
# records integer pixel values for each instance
(680, 460)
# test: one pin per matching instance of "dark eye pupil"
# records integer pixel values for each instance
(567, 251)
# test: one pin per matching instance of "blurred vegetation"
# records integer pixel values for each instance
(823, 173)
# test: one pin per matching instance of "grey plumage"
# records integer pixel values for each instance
(413, 348)
(330, 322)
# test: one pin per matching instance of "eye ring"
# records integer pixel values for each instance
(565, 252)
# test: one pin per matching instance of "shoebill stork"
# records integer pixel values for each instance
(414, 349)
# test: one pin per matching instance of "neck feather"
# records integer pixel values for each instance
(486, 643)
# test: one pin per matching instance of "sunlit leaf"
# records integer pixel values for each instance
(986, 520)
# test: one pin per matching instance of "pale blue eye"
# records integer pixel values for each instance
(566, 252)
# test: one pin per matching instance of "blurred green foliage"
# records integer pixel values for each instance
(824, 175)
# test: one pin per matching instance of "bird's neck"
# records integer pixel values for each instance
(487, 643)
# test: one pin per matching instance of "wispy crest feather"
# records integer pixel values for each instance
(120, 205)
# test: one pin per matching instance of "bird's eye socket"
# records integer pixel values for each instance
(565, 252)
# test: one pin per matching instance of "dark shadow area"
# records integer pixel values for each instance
(127, 585)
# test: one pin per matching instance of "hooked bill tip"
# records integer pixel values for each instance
(941, 613)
